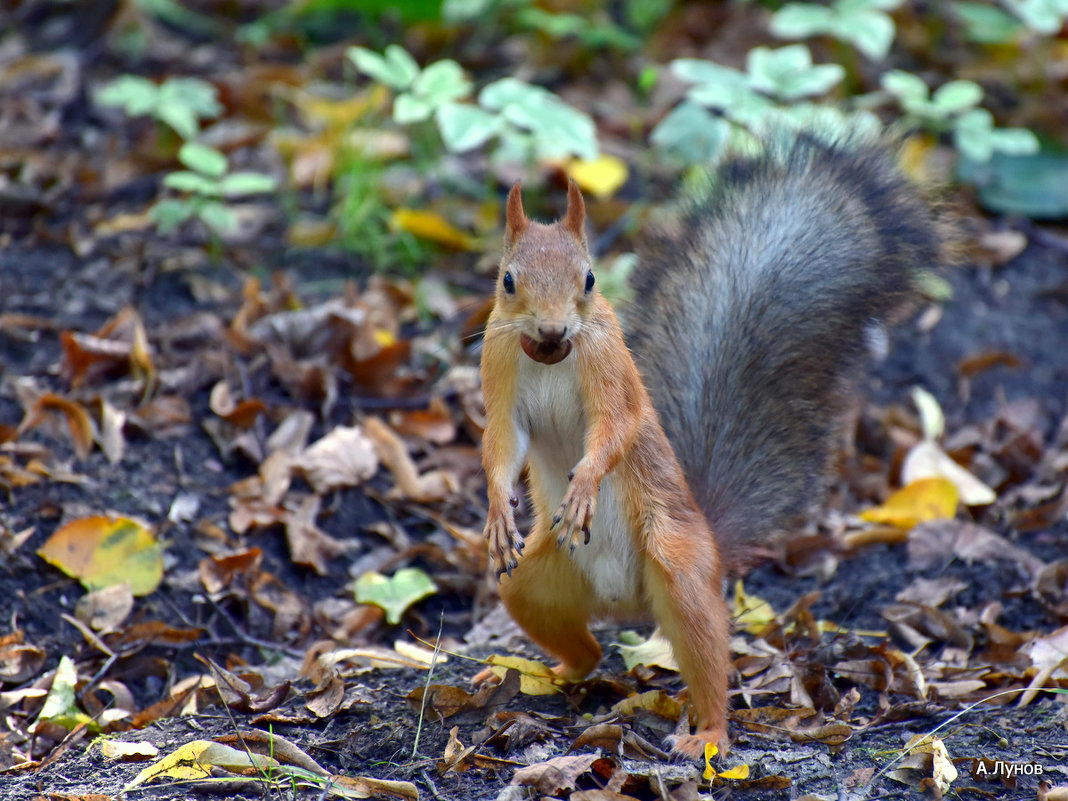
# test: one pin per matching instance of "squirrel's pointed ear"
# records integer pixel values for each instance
(575, 216)
(515, 220)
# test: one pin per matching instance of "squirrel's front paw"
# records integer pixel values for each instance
(505, 542)
(575, 514)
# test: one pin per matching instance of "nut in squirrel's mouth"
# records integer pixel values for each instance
(545, 352)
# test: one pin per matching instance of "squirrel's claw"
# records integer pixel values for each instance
(505, 543)
(575, 515)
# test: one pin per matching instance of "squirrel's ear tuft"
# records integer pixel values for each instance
(575, 216)
(515, 220)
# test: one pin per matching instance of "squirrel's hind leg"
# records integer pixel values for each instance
(551, 600)
(683, 580)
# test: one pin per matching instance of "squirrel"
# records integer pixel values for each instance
(749, 328)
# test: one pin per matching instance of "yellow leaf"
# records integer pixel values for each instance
(737, 772)
(654, 652)
(750, 612)
(195, 760)
(600, 177)
(535, 678)
(926, 499)
(428, 225)
(710, 751)
(101, 552)
(384, 338)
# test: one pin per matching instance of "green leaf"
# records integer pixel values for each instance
(464, 10)
(692, 134)
(972, 134)
(185, 181)
(246, 183)
(904, 85)
(1043, 16)
(1015, 141)
(394, 594)
(957, 96)
(217, 217)
(408, 108)
(507, 91)
(558, 129)
(788, 73)
(137, 95)
(199, 96)
(442, 82)
(203, 159)
(800, 20)
(396, 70)
(987, 24)
(1031, 186)
(170, 213)
(61, 704)
(871, 33)
(465, 127)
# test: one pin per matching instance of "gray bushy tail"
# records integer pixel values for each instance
(750, 321)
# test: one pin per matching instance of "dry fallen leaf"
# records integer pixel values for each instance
(102, 551)
(926, 499)
(343, 458)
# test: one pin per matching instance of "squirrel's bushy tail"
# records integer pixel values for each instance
(750, 316)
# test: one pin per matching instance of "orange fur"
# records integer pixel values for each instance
(617, 531)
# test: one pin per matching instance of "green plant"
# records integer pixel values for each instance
(953, 107)
(862, 23)
(766, 93)
(527, 121)
(207, 186)
(1042, 16)
(179, 103)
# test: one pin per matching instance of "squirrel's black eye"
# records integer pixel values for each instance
(509, 284)
(589, 281)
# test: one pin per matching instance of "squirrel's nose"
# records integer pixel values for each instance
(552, 334)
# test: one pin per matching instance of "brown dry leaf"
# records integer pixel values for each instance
(153, 632)
(326, 699)
(309, 545)
(448, 701)
(928, 760)
(119, 346)
(105, 609)
(995, 248)
(606, 736)
(987, 360)
(290, 611)
(111, 439)
(433, 424)
(434, 485)
(218, 572)
(934, 543)
(345, 457)
(456, 757)
(1051, 586)
(19, 661)
(555, 776)
(79, 423)
(242, 414)
(932, 592)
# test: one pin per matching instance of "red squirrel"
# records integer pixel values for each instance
(749, 327)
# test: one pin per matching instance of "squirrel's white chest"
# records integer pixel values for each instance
(550, 410)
